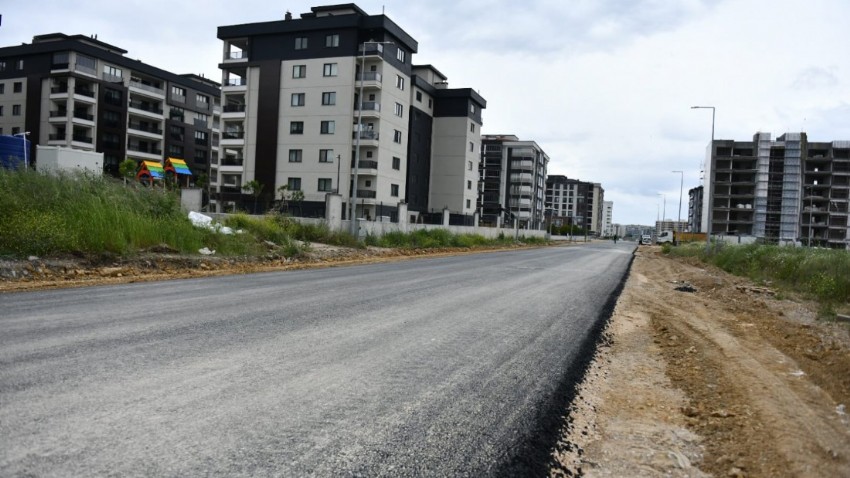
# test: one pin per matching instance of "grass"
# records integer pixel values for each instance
(46, 215)
(823, 274)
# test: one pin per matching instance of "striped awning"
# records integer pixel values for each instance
(155, 169)
(179, 166)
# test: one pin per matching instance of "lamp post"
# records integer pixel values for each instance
(353, 196)
(681, 188)
(708, 197)
(24, 139)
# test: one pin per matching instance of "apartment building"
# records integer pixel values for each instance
(513, 181)
(572, 201)
(695, 209)
(444, 147)
(312, 103)
(79, 92)
(607, 218)
(788, 190)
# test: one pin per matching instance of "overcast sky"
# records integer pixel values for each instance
(603, 86)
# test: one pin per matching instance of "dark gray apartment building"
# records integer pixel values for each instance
(788, 190)
(79, 92)
(513, 178)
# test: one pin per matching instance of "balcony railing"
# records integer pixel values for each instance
(368, 135)
(366, 194)
(234, 108)
(83, 116)
(84, 91)
(369, 106)
(81, 138)
(371, 49)
(58, 114)
(146, 107)
(233, 135)
(199, 123)
(231, 161)
(369, 76)
(235, 82)
(236, 55)
(59, 66)
(143, 149)
(144, 127)
(368, 164)
(56, 137)
(152, 89)
(112, 78)
(59, 89)
(85, 69)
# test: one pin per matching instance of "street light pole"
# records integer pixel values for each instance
(708, 196)
(681, 188)
(24, 139)
(353, 196)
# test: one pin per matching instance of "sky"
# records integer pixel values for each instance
(603, 86)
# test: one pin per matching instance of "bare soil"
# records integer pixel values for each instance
(727, 381)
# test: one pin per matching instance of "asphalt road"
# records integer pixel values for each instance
(454, 366)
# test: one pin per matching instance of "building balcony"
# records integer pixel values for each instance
(233, 135)
(84, 91)
(148, 90)
(371, 49)
(56, 67)
(58, 116)
(370, 79)
(57, 137)
(234, 84)
(367, 138)
(144, 152)
(235, 56)
(232, 161)
(366, 194)
(145, 109)
(82, 138)
(369, 109)
(524, 165)
(144, 130)
(522, 178)
(85, 70)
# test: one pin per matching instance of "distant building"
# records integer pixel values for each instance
(607, 216)
(670, 225)
(513, 176)
(788, 191)
(572, 201)
(78, 92)
(695, 209)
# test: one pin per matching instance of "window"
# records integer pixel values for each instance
(176, 114)
(201, 138)
(396, 163)
(331, 41)
(16, 130)
(176, 132)
(296, 127)
(200, 156)
(2, 66)
(178, 93)
(113, 97)
(419, 96)
(329, 69)
(397, 136)
(1, 110)
(394, 190)
(297, 99)
(472, 109)
(471, 127)
(20, 64)
(329, 98)
(294, 184)
(469, 165)
(326, 155)
(111, 73)
(294, 155)
(325, 185)
(399, 110)
(17, 87)
(400, 55)
(202, 100)
(430, 102)
(175, 150)
(471, 147)
(2, 88)
(468, 184)
(328, 127)
(301, 43)
(299, 71)
(399, 82)
(16, 110)
(468, 203)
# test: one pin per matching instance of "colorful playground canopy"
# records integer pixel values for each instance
(178, 166)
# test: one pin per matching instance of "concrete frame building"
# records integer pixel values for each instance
(607, 218)
(291, 117)
(79, 92)
(785, 191)
(572, 201)
(513, 180)
(695, 209)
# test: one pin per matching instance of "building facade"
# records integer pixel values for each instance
(79, 92)
(607, 218)
(312, 103)
(513, 181)
(788, 190)
(695, 209)
(572, 201)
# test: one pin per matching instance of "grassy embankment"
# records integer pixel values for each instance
(48, 215)
(822, 274)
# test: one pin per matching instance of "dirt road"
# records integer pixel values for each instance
(721, 378)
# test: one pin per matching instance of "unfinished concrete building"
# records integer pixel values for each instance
(787, 190)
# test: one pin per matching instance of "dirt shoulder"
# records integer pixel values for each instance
(726, 380)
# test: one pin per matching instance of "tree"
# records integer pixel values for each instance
(127, 169)
(254, 188)
(295, 197)
(283, 190)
